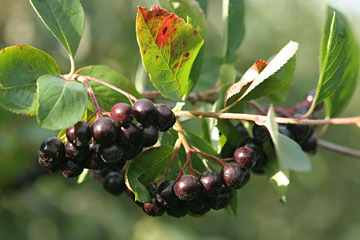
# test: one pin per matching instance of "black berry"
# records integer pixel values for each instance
(210, 183)
(150, 135)
(52, 150)
(245, 157)
(260, 133)
(104, 130)
(232, 175)
(153, 208)
(129, 134)
(144, 111)
(122, 114)
(79, 134)
(114, 183)
(71, 169)
(166, 195)
(309, 145)
(187, 188)
(111, 153)
(165, 117)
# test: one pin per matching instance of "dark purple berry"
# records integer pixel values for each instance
(71, 169)
(260, 163)
(260, 133)
(187, 187)
(131, 151)
(79, 134)
(246, 179)
(210, 183)
(122, 114)
(49, 166)
(144, 111)
(301, 132)
(309, 145)
(286, 132)
(232, 175)
(153, 208)
(150, 135)
(116, 166)
(111, 153)
(114, 183)
(241, 128)
(177, 211)
(129, 134)
(52, 150)
(222, 199)
(165, 117)
(166, 195)
(94, 161)
(104, 130)
(76, 154)
(245, 157)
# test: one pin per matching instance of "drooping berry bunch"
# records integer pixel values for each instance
(109, 142)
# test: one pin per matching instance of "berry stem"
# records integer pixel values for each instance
(263, 118)
(339, 149)
(187, 150)
(220, 160)
(93, 98)
(128, 95)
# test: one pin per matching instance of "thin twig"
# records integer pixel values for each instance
(128, 95)
(339, 149)
(220, 160)
(262, 118)
(93, 98)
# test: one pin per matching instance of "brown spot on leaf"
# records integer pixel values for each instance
(3, 50)
(195, 32)
(150, 42)
(164, 30)
(30, 67)
(144, 51)
(187, 54)
(176, 65)
(157, 57)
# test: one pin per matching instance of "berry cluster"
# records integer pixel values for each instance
(109, 142)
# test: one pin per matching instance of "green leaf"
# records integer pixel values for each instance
(145, 168)
(263, 79)
(333, 56)
(278, 178)
(209, 73)
(168, 48)
(190, 9)
(339, 100)
(233, 15)
(61, 103)
(227, 75)
(20, 67)
(64, 18)
(106, 96)
(288, 152)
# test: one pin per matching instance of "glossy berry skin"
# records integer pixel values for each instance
(210, 183)
(71, 169)
(232, 175)
(150, 135)
(195, 205)
(165, 194)
(144, 111)
(114, 183)
(104, 130)
(260, 133)
(165, 118)
(245, 157)
(153, 208)
(187, 187)
(122, 114)
(52, 150)
(129, 134)
(111, 153)
(79, 134)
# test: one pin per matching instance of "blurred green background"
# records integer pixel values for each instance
(322, 204)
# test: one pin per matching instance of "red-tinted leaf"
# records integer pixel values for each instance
(248, 77)
(169, 48)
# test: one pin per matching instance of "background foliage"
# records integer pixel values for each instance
(322, 204)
